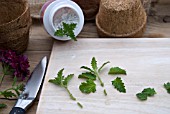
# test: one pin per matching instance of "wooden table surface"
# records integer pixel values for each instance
(40, 43)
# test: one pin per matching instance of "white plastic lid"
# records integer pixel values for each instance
(50, 14)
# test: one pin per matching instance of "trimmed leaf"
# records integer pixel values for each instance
(94, 63)
(67, 79)
(142, 96)
(87, 68)
(149, 91)
(88, 86)
(119, 85)
(117, 70)
(87, 75)
(3, 106)
(103, 66)
(167, 87)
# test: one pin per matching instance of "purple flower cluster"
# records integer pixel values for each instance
(19, 63)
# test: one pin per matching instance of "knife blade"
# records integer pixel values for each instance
(31, 89)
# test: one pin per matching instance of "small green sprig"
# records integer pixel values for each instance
(93, 72)
(119, 85)
(148, 92)
(66, 30)
(62, 81)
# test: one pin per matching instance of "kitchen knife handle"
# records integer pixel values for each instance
(17, 110)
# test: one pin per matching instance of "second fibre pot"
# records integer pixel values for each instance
(121, 18)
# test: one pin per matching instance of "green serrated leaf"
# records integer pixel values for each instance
(103, 66)
(87, 68)
(142, 96)
(3, 106)
(167, 87)
(119, 85)
(67, 79)
(149, 91)
(67, 30)
(59, 32)
(7, 94)
(117, 70)
(87, 75)
(94, 63)
(88, 86)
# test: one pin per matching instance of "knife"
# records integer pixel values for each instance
(31, 89)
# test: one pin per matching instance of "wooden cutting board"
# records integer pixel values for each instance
(147, 62)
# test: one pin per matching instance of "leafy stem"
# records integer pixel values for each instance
(92, 74)
(63, 81)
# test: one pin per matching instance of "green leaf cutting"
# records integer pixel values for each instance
(93, 72)
(62, 81)
(88, 86)
(66, 30)
(148, 92)
(117, 70)
(119, 85)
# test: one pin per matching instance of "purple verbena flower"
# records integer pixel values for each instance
(19, 63)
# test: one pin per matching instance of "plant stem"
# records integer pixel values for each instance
(105, 93)
(1, 79)
(71, 96)
(80, 105)
(101, 83)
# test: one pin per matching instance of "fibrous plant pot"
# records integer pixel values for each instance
(15, 23)
(121, 18)
(90, 8)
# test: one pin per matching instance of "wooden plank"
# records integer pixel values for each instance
(147, 62)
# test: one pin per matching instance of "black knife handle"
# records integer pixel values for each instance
(17, 110)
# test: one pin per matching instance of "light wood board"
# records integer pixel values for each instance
(147, 62)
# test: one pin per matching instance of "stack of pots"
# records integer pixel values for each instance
(15, 23)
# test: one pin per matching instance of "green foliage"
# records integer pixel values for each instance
(66, 30)
(148, 92)
(3, 106)
(117, 70)
(119, 85)
(87, 75)
(141, 96)
(88, 86)
(94, 71)
(15, 91)
(62, 81)
(167, 87)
